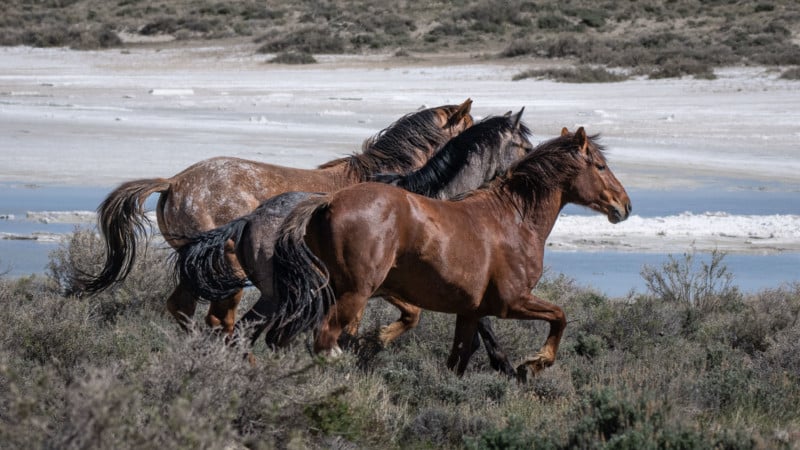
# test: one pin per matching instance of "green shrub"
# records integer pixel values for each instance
(676, 67)
(312, 39)
(707, 286)
(791, 74)
(293, 58)
(554, 22)
(147, 287)
(331, 415)
(512, 437)
(580, 74)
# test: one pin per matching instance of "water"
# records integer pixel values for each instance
(733, 197)
(613, 273)
(618, 273)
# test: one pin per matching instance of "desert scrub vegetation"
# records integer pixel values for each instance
(651, 370)
(293, 58)
(791, 74)
(652, 38)
(578, 74)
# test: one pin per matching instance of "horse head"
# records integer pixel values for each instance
(595, 186)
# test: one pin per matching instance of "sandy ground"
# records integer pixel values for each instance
(100, 118)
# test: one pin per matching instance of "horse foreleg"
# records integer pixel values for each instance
(182, 304)
(464, 343)
(498, 359)
(530, 307)
(222, 314)
(409, 318)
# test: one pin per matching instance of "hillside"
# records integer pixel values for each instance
(645, 37)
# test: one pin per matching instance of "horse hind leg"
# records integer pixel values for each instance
(222, 314)
(182, 304)
(348, 308)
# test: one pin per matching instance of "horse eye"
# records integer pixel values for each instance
(601, 167)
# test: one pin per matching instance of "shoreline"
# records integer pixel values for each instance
(99, 109)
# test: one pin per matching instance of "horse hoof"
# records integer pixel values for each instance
(531, 367)
(332, 353)
(522, 373)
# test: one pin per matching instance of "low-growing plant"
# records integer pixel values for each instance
(579, 74)
(791, 74)
(311, 39)
(293, 58)
(704, 285)
(147, 287)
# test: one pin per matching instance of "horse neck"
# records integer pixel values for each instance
(343, 172)
(539, 215)
(473, 175)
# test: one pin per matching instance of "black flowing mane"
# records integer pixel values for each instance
(399, 147)
(448, 162)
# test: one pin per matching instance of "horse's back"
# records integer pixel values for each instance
(215, 191)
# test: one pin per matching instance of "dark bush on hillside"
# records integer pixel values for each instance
(589, 17)
(554, 22)
(293, 58)
(791, 74)
(580, 74)
(307, 40)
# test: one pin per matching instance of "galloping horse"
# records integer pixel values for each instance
(476, 256)
(217, 263)
(217, 190)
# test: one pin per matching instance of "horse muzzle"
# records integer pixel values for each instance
(618, 213)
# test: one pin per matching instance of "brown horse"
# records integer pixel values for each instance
(216, 191)
(476, 256)
(218, 263)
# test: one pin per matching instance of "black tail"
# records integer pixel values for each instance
(206, 264)
(120, 219)
(302, 282)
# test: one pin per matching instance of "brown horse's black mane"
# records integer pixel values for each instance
(545, 168)
(397, 148)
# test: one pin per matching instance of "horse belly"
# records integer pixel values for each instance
(421, 284)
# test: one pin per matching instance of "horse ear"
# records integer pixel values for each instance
(583, 141)
(564, 131)
(518, 117)
(462, 111)
(508, 113)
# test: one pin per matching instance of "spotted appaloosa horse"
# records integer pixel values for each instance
(217, 190)
(478, 256)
